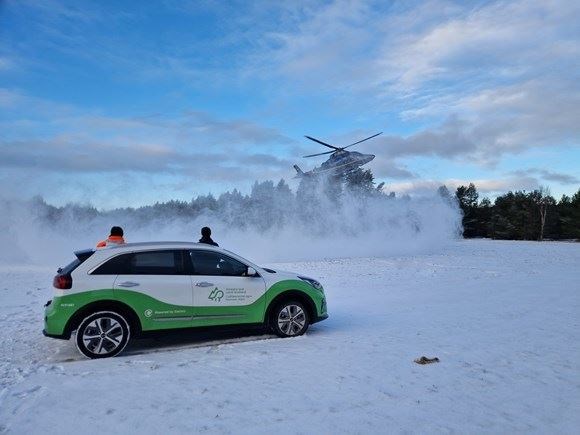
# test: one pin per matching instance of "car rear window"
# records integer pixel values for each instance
(69, 267)
(82, 256)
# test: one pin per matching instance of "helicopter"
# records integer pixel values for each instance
(340, 162)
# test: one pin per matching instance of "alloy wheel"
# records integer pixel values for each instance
(291, 319)
(103, 335)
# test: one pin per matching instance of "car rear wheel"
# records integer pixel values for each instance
(290, 319)
(103, 334)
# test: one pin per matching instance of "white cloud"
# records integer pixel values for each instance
(547, 175)
(49, 137)
(501, 38)
(505, 119)
(489, 186)
(471, 82)
(484, 80)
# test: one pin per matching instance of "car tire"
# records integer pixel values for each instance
(102, 334)
(290, 319)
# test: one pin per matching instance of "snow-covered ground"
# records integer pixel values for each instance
(502, 317)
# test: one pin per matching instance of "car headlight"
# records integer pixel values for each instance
(312, 282)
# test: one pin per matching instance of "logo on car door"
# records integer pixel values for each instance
(216, 295)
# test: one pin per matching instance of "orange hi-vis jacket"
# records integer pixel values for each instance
(111, 241)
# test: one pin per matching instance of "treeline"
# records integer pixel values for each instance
(519, 215)
(268, 205)
(348, 204)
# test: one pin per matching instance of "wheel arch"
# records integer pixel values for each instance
(106, 305)
(292, 295)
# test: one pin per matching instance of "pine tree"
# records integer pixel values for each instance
(360, 179)
(569, 216)
(484, 212)
(467, 198)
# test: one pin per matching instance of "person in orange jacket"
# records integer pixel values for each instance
(115, 238)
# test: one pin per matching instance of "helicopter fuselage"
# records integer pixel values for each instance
(340, 162)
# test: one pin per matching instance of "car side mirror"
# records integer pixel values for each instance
(251, 271)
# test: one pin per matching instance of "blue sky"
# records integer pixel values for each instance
(125, 103)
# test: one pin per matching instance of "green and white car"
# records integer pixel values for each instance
(111, 295)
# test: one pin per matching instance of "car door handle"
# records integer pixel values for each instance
(204, 284)
(128, 284)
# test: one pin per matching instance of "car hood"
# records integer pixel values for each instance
(283, 274)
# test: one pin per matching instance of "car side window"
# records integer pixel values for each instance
(163, 262)
(216, 264)
(156, 263)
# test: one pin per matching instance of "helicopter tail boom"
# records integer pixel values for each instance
(299, 172)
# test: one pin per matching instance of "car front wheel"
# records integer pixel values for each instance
(102, 334)
(290, 319)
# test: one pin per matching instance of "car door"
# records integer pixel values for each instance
(223, 293)
(155, 284)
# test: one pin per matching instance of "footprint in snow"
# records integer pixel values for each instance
(25, 393)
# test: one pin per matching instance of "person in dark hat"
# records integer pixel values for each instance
(206, 237)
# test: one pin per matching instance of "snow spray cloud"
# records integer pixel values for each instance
(321, 220)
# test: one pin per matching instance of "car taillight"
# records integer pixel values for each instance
(62, 282)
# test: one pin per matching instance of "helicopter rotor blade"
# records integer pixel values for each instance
(322, 143)
(320, 154)
(370, 137)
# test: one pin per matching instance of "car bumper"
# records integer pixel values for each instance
(60, 337)
(321, 318)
